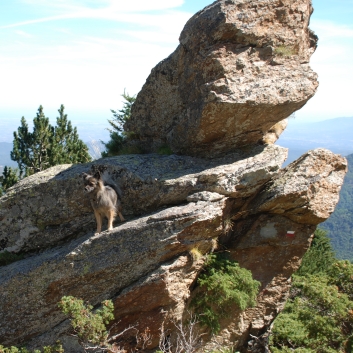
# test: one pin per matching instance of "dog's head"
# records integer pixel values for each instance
(91, 181)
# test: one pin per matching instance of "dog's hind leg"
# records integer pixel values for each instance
(99, 221)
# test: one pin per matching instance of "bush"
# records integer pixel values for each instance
(47, 349)
(89, 327)
(320, 257)
(318, 317)
(165, 150)
(223, 284)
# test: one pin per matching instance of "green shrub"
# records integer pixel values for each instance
(165, 150)
(47, 349)
(89, 327)
(315, 319)
(223, 284)
(320, 257)
(318, 317)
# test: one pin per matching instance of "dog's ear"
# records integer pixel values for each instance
(97, 175)
(84, 175)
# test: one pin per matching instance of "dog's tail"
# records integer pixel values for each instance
(116, 188)
(107, 180)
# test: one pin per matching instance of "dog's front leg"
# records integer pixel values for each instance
(111, 216)
(99, 221)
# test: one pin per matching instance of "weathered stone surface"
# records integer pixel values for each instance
(241, 67)
(143, 264)
(57, 209)
(99, 267)
(307, 190)
(159, 299)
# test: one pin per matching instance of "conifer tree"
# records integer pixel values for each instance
(66, 146)
(47, 146)
(117, 134)
(9, 178)
(122, 115)
(31, 149)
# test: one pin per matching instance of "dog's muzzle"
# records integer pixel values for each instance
(88, 189)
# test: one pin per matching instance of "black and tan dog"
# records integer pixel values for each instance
(105, 198)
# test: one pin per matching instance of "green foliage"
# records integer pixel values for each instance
(89, 327)
(57, 348)
(7, 258)
(47, 146)
(114, 145)
(118, 136)
(66, 147)
(284, 50)
(340, 223)
(319, 257)
(341, 275)
(318, 316)
(223, 284)
(165, 150)
(9, 178)
(30, 150)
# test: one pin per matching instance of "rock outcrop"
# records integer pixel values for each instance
(143, 264)
(56, 208)
(241, 67)
(221, 97)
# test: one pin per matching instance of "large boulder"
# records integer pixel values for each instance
(241, 67)
(144, 265)
(51, 207)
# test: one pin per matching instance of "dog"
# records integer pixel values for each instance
(105, 198)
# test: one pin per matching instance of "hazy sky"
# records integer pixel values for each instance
(83, 53)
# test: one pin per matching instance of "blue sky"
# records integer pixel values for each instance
(83, 53)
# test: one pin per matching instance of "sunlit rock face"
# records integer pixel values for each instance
(241, 67)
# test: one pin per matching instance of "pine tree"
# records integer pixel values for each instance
(122, 115)
(66, 146)
(47, 146)
(9, 178)
(31, 149)
(117, 134)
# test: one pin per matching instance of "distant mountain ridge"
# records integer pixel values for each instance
(340, 223)
(333, 134)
